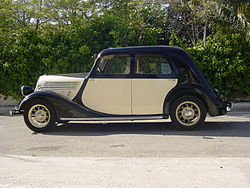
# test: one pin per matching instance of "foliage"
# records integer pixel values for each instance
(61, 36)
(225, 61)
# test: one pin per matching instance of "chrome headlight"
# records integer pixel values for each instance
(26, 90)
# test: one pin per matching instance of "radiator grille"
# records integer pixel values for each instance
(59, 86)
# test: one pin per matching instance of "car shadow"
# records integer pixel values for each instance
(220, 129)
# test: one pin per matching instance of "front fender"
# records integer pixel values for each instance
(33, 96)
(211, 103)
(63, 107)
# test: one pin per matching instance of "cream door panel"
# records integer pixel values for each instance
(112, 96)
(148, 95)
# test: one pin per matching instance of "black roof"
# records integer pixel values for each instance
(167, 50)
(162, 49)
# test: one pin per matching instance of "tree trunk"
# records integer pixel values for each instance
(205, 34)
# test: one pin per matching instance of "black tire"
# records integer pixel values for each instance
(39, 115)
(187, 113)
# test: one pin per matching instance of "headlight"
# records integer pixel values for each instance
(26, 90)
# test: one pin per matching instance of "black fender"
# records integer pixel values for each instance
(211, 103)
(62, 106)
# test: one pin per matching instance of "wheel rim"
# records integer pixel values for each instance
(39, 116)
(188, 113)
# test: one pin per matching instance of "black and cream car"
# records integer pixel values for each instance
(130, 83)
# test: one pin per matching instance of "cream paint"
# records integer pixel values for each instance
(112, 96)
(66, 85)
(148, 95)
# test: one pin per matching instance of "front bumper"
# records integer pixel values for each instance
(15, 111)
(25, 90)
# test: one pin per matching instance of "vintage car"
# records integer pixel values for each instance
(129, 83)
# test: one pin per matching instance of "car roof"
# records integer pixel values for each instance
(167, 50)
(133, 49)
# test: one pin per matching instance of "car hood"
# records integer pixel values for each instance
(63, 84)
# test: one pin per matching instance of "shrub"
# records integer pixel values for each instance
(226, 62)
(35, 53)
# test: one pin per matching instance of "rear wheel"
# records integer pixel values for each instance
(39, 115)
(187, 113)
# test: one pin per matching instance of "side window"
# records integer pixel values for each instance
(114, 64)
(152, 64)
(185, 75)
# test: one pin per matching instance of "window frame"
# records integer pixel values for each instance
(133, 74)
(96, 74)
(169, 60)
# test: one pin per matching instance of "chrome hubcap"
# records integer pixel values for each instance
(188, 113)
(39, 116)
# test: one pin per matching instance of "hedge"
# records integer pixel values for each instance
(225, 59)
(226, 62)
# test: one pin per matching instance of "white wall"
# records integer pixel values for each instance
(7, 101)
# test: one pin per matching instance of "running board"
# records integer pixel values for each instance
(114, 118)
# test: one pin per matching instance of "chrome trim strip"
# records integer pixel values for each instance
(59, 85)
(59, 88)
(113, 118)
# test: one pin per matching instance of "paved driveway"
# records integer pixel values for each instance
(128, 154)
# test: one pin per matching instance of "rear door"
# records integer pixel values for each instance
(154, 78)
(109, 90)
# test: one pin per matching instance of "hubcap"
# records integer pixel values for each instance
(39, 115)
(188, 113)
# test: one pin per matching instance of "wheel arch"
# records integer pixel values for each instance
(63, 107)
(30, 98)
(189, 90)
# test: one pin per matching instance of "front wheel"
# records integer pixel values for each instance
(187, 113)
(39, 115)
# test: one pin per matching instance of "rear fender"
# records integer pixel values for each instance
(210, 102)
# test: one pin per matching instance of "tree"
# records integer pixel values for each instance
(234, 15)
(192, 20)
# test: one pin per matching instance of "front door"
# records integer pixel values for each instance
(109, 91)
(154, 78)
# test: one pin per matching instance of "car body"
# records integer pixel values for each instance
(128, 83)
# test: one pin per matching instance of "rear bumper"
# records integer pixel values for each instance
(226, 107)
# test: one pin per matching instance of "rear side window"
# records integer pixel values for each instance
(152, 64)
